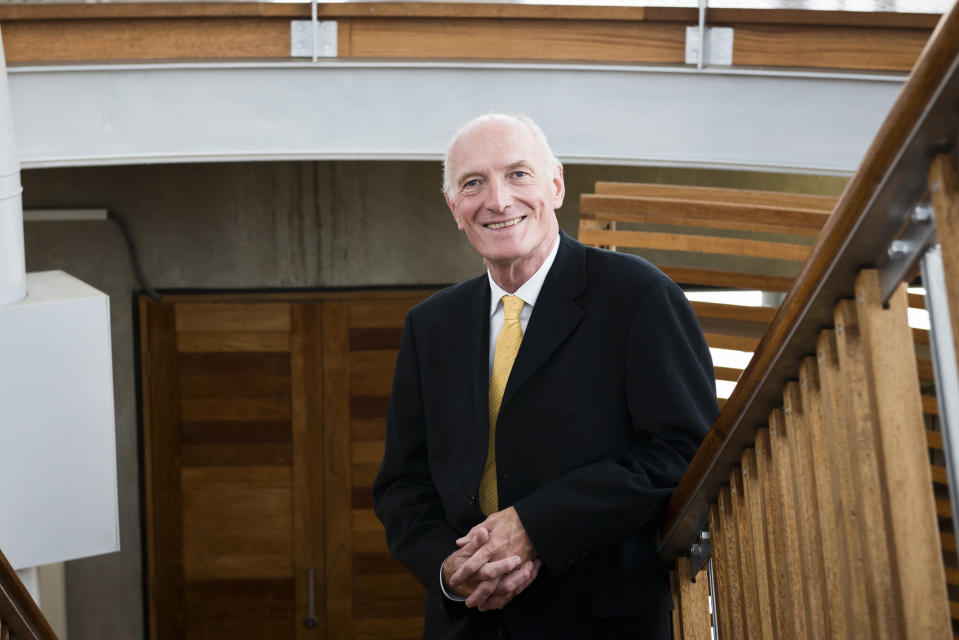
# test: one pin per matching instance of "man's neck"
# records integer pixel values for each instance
(511, 276)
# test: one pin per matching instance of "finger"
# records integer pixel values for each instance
(469, 568)
(478, 535)
(498, 568)
(516, 580)
(494, 602)
(482, 592)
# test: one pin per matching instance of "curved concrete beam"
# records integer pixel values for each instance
(122, 114)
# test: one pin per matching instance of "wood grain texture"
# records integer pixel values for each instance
(872, 499)
(89, 40)
(693, 602)
(828, 47)
(804, 489)
(747, 564)
(309, 514)
(822, 459)
(756, 522)
(734, 569)
(336, 466)
(238, 317)
(796, 587)
(516, 39)
(166, 598)
(676, 614)
(720, 564)
(696, 243)
(889, 361)
(764, 199)
(767, 481)
(943, 173)
(843, 483)
(727, 279)
(699, 213)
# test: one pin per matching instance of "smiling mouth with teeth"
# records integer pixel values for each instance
(503, 225)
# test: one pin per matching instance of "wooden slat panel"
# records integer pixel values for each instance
(756, 521)
(377, 362)
(737, 605)
(260, 608)
(518, 39)
(890, 361)
(677, 601)
(727, 279)
(720, 562)
(367, 339)
(930, 405)
(727, 373)
(789, 514)
(717, 194)
(775, 45)
(748, 573)
(742, 313)
(692, 213)
(235, 432)
(783, 609)
(236, 522)
(933, 439)
(843, 481)
(370, 314)
(201, 409)
(398, 628)
(166, 526)
(871, 500)
(232, 454)
(725, 341)
(693, 602)
(240, 317)
(211, 341)
(367, 430)
(367, 452)
(822, 459)
(696, 243)
(309, 518)
(336, 461)
(939, 475)
(804, 488)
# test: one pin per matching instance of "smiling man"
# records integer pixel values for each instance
(541, 415)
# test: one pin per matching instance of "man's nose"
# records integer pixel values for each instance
(499, 196)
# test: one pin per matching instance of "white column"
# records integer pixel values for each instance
(13, 281)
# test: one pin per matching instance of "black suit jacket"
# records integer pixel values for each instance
(609, 397)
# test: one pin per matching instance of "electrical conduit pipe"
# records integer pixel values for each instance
(13, 272)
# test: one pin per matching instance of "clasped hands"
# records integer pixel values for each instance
(495, 562)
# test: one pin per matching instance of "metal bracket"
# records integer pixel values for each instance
(902, 256)
(698, 554)
(719, 46)
(301, 41)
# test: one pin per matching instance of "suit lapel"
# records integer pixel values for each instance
(469, 341)
(554, 317)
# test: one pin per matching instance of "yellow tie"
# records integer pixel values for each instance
(507, 346)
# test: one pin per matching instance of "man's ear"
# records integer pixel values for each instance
(559, 186)
(449, 203)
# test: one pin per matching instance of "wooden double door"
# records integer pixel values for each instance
(263, 428)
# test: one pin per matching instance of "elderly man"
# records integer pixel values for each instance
(541, 415)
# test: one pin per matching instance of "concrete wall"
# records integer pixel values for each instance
(258, 226)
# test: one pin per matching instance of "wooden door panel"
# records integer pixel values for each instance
(264, 429)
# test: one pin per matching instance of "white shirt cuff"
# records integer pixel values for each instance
(455, 597)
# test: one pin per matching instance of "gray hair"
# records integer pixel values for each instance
(538, 136)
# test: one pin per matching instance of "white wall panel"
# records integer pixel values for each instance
(121, 114)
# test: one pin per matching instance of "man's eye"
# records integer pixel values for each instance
(519, 174)
(470, 183)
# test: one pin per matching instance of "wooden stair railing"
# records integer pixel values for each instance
(815, 482)
(20, 618)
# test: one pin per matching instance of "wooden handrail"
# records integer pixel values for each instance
(870, 211)
(19, 614)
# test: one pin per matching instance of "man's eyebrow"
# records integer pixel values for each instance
(519, 163)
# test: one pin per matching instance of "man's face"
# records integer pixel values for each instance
(504, 192)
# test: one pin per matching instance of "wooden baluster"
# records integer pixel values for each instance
(788, 514)
(756, 521)
(814, 579)
(740, 517)
(721, 598)
(944, 188)
(871, 498)
(694, 596)
(843, 482)
(782, 607)
(824, 459)
(896, 410)
(677, 603)
(737, 607)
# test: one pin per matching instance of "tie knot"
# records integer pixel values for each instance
(512, 305)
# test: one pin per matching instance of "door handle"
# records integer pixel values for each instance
(310, 621)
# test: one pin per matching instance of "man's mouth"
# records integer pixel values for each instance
(503, 225)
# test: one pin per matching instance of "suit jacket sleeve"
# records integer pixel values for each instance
(404, 494)
(670, 396)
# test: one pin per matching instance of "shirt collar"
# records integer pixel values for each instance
(529, 292)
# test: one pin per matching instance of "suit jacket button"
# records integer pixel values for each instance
(471, 498)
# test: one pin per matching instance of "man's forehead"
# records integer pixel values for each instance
(503, 143)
